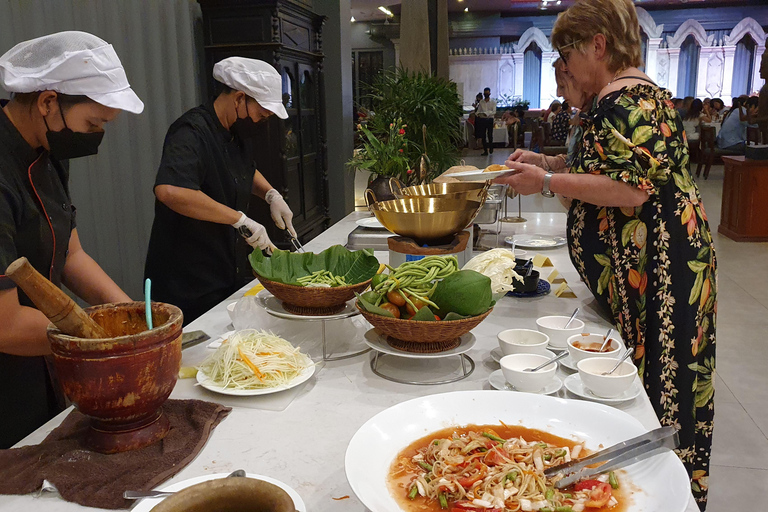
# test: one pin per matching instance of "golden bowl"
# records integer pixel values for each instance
(432, 219)
(471, 191)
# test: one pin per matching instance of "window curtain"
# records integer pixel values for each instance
(743, 62)
(532, 75)
(159, 43)
(688, 68)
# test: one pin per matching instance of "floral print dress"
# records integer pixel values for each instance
(652, 268)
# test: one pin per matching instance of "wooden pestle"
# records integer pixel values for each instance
(53, 302)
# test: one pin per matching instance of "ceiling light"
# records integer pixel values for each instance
(466, 9)
(385, 10)
(558, 2)
(352, 19)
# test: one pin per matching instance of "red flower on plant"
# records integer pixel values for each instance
(410, 171)
(400, 150)
(401, 132)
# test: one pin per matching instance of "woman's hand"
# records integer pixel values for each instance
(527, 179)
(525, 157)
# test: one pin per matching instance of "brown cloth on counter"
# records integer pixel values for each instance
(98, 480)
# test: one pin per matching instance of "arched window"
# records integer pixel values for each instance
(688, 68)
(532, 75)
(743, 64)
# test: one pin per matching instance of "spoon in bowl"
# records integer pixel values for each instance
(547, 363)
(628, 353)
(575, 312)
(606, 339)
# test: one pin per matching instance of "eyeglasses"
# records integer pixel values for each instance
(560, 50)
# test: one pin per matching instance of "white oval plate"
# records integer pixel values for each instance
(304, 376)
(478, 175)
(370, 223)
(575, 385)
(537, 241)
(497, 354)
(498, 381)
(661, 481)
(378, 342)
(274, 307)
(147, 504)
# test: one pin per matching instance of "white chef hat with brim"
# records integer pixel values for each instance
(74, 63)
(255, 78)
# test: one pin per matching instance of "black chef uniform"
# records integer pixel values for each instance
(36, 221)
(195, 264)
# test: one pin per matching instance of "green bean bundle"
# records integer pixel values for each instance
(322, 278)
(418, 278)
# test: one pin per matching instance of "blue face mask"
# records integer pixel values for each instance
(66, 144)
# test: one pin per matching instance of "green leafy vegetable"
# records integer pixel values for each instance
(466, 292)
(424, 315)
(372, 308)
(287, 267)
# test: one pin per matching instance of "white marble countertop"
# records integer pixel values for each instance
(344, 394)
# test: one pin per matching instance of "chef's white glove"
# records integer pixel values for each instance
(258, 238)
(281, 213)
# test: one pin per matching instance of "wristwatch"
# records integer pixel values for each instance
(545, 189)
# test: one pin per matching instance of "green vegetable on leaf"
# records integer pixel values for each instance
(288, 267)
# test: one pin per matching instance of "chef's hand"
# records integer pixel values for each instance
(526, 179)
(526, 157)
(258, 238)
(281, 213)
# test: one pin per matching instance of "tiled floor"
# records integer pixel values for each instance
(740, 451)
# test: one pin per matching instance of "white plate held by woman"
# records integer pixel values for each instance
(147, 504)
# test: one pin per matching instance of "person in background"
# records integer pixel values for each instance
(477, 101)
(716, 108)
(733, 133)
(686, 105)
(692, 120)
(762, 103)
(204, 184)
(65, 88)
(678, 102)
(637, 231)
(486, 110)
(554, 108)
(510, 119)
(560, 124)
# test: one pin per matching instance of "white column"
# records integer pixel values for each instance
(757, 82)
(396, 44)
(548, 83)
(703, 70)
(674, 64)
(651, 62)
(729, 53)
(518, 59)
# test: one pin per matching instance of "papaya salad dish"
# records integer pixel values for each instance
(495, 468)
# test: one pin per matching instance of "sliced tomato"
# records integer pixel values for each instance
(599, 496)
(462, 506)
(475, 472)
(586, 485)
(495, 457)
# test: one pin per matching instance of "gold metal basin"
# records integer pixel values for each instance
(470, 191)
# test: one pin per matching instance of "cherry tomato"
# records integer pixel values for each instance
(391, 308)
(475, 472)
(586, 485)
(599, 496)
(416, 302)
(395, 298)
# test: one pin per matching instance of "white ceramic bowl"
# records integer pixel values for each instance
(592, 340)
(522, 341)
(552, 326)
(513, 367)
(606, 386)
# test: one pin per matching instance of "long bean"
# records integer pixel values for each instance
(417, 278)
(322, 277)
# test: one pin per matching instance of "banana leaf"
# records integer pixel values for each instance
(286, 267)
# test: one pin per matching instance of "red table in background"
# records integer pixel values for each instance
(744, 215)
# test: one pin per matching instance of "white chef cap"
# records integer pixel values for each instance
(255, 78)
(75, 63)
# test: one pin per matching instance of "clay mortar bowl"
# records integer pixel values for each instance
(122, 381)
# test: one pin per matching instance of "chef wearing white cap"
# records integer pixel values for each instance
(65, 88)
(204, 184)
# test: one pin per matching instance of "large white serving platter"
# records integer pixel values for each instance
(208, 384)
(146, 505)
(661, 481)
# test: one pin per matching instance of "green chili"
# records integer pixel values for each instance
(512, 476)
(613, 480)
(425, 466)
(549, 494)
(547, 456)
(443, 500)
(561, 453)
(564, 508)
(414, 492)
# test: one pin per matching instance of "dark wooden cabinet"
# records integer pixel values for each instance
(290, 153)
(744, 212)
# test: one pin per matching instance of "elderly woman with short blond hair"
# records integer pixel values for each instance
(637, 231)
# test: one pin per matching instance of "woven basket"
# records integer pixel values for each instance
(415, 331)
(310, 301)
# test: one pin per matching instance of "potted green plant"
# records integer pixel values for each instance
(384, 156)
(419, 99)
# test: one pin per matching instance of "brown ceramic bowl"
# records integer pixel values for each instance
(229, 495)
(121, 382)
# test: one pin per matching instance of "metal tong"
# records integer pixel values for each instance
(617, 456)
(246, 233)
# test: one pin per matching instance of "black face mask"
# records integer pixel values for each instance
(244, 128)
(66, 144)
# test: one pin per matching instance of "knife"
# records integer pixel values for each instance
(190, 339)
